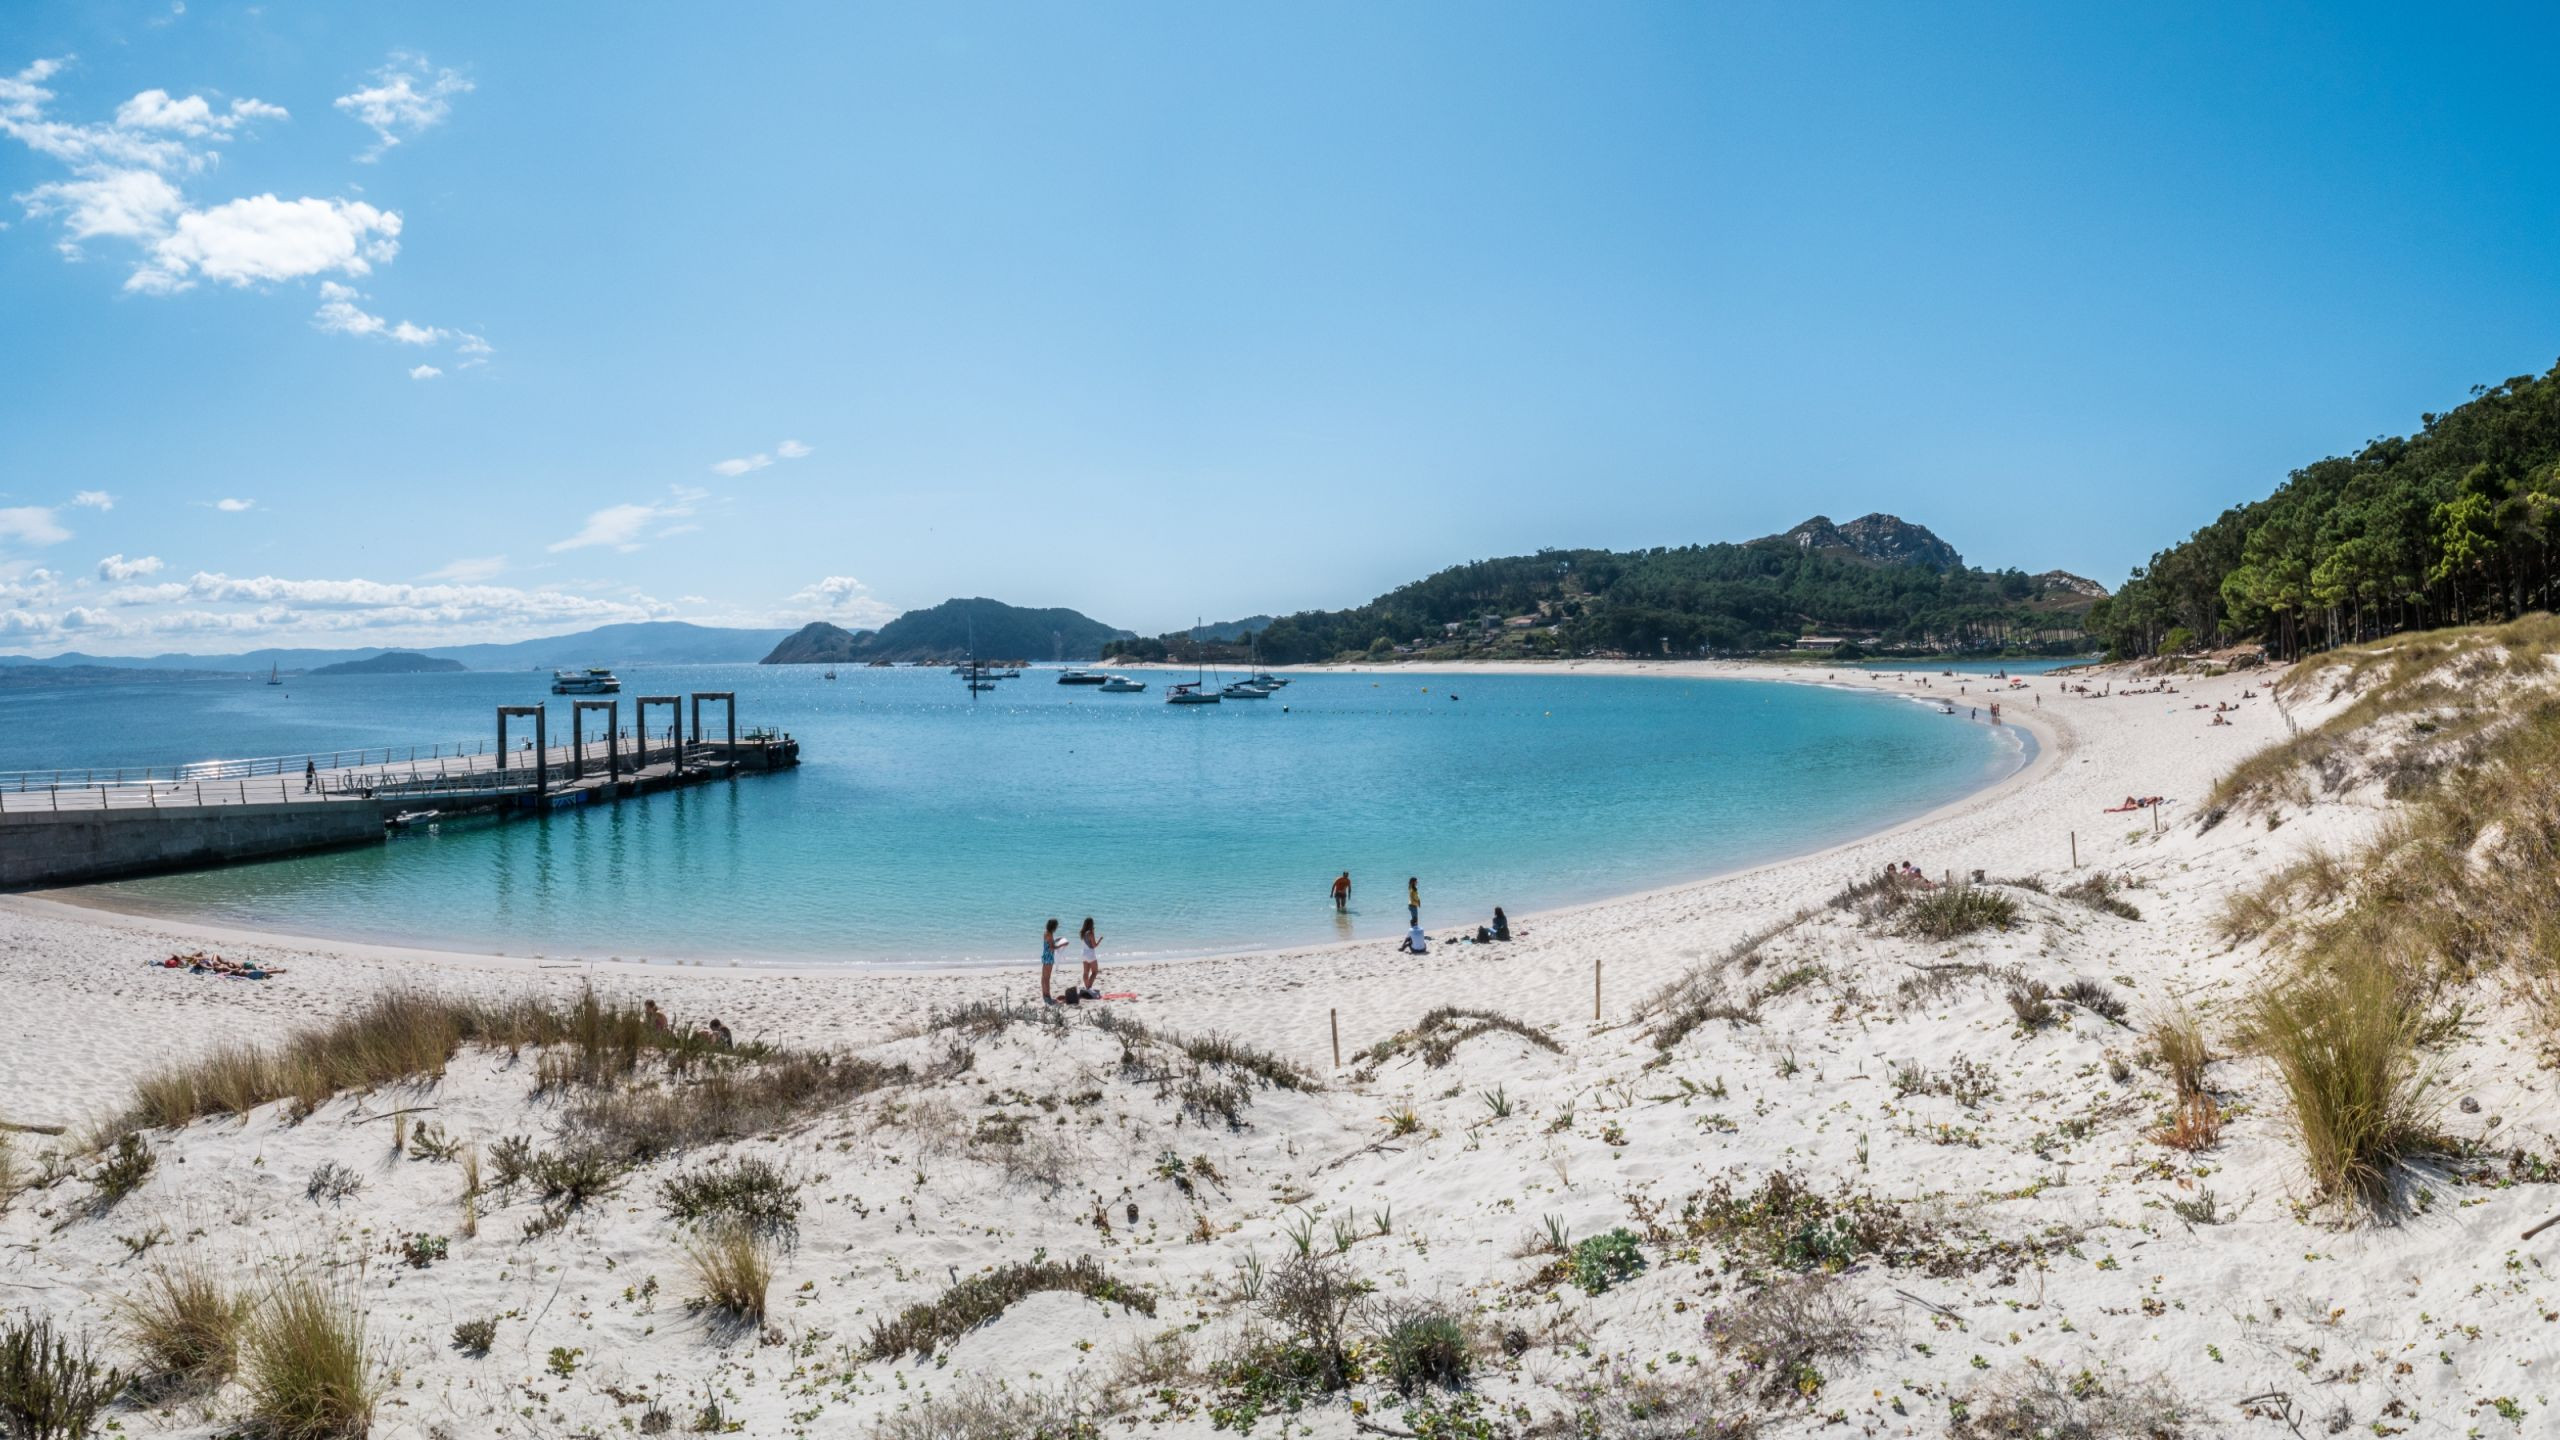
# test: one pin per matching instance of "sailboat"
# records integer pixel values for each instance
(1198, 691)
(273, 678)
(975, 673)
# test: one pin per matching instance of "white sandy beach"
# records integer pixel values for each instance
(2058, 1249)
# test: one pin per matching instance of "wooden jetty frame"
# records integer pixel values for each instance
(729, 705)
(541, 742)
(612, 738)
(675, 725)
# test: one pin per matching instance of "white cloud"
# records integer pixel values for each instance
(339, 314)
(94, 500)
(273, 608)
(116, 567)
(109, 204)
(842, 597)
(31, 525)
(615, 525)
(404, 99)
(125, 185)
(621, 526)
(234, 506)
(424, 372)
(162, 594)
(472, 571)
(787, 450)
(241, 242)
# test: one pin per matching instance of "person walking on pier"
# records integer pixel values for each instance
(310, 776)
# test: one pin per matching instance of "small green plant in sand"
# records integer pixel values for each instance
(1601, 1261)
(474, 1337)
(122, 1172)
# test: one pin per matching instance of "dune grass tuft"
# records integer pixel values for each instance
(732, 1270)
(186, 1323)
(2345, 1041)
(304, 1361)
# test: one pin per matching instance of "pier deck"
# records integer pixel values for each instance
(65, 827)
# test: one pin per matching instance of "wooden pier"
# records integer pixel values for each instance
(70, 827)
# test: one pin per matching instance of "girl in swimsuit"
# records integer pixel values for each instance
(1092, 963)
(1048, 960)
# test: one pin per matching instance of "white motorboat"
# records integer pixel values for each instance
(1082, 677)
(593, 681)
(1121, 685)
(1245, 690)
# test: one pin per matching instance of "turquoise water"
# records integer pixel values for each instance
(924, 827)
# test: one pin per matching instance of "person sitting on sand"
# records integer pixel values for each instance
(716, 1034)
(1414, 943)
(656, 1017)
(1092, 961)
(1501, 924)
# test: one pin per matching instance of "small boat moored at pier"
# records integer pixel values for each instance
(594, 681)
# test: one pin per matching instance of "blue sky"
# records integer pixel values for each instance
(398, 323)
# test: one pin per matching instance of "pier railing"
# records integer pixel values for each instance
(318, 775)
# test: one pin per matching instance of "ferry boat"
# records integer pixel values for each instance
(596, 681)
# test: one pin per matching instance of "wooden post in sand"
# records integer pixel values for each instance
(1334, 1019)
(1595, 990)
(2075, 849)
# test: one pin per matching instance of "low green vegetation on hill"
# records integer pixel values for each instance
(391, 662)
(1876, 579)
(948, 631)
(2450, 525)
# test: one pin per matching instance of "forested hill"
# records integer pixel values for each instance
(1760, 595)
(945, 631)
(2449, 525)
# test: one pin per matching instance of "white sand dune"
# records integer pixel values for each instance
(2050, 1245)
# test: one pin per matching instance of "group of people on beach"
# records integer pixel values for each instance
(1089, 985)
(715, 1034)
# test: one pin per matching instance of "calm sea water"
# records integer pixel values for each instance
(925, 827)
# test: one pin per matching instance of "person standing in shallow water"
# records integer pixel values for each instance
(1342, 893)
(1049, 943)
(1413, 899)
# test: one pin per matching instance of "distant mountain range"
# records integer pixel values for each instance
(1885, 539)
(948, 631)
(646, 642)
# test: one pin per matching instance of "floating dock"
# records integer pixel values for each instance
(73, 827)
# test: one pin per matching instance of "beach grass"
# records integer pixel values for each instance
(305, 1362)
(185, 1321)
(732, 1269)
(923, 1328)
(2345, 1042)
